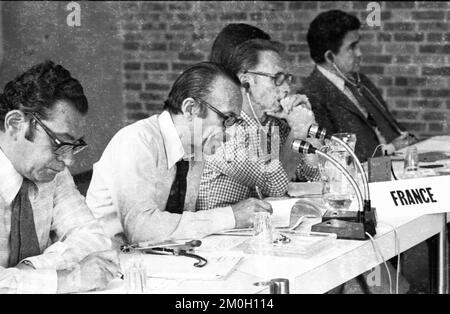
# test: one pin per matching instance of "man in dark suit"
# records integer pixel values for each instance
(342, 99)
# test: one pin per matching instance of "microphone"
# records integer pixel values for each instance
(303, 147)
(321, 133)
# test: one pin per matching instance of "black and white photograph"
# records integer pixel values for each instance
(224, 152)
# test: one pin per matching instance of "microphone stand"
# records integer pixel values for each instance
(346, 224)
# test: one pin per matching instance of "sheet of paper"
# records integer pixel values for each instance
(282, 211)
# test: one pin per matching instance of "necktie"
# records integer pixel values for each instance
(378, 115)
(23, 239)
(177, 195)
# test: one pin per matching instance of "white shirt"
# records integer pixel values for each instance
(132, 180)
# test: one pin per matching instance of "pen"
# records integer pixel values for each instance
(258, 191)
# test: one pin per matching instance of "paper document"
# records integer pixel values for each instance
(281, 211)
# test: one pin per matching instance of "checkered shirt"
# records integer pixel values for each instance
(231, 174)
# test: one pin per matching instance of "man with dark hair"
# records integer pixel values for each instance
(246, 162)
(232, 36)
(42, 114)
(343, 100)
(145, 185)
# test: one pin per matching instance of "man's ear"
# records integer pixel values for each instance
(14, 122)
(245, 81)
(329, 57)
(188, 108)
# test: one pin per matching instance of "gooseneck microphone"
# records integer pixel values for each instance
(321, 133)
(303, 147)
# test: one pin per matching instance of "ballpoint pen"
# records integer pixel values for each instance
(258, 191)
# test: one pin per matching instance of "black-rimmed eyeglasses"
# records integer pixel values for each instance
(278, 78)
(61, 147)
(229, 119)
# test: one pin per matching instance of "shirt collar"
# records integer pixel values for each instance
(11, 180)
(336, 80)
(172, 142)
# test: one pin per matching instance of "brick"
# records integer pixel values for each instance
(172, 76)
(276, 27)
(377, 59)
(401, 81)
(154, 47)
(181, 6)
(176, 66)
(398, 26)
(132, 66)
(151, 96)
(188, 27)
(304, 58)
(395, 48)
(431, 60)
(191, 56)
(435, 93)
(360, 5)
(366, 48)
(383, 36)
(153, 6)
(154, 27)
(341, 5)
(133, 86)
(402, 92)
(287, 37)
(301, 37)
(434, 115)
(409, 37)
(432, 5)
(385, 81)
(402, 59)
(183, 17)
(156, 66)
(440, 49)
(133, 37)
(157, 86)
(413, 126)
(296, 27)
(298, 48)
(435, 37)
(154, 106)
(428, 15)
(405, 115)
(403, 70)
(131, 46)
(400, 5)
(442, 71)
(372, 69)
(448, 104)
(130, 27)
(233, 16)
(436, 127)
(135, 116)
(401, 103)
(434, 26)
(210, 17)
(133, 105)
(306, 5)
(426, 104)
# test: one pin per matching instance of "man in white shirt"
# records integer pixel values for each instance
(145, 185)
(48, 236)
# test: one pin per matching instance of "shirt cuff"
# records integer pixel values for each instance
(44, 281)
(389, 149)
(224, 217)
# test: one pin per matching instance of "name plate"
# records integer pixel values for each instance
(411, 197)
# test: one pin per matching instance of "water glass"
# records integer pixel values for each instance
(411, 163)
(136, 278)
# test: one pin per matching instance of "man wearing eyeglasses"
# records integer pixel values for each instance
(272, 118)
(42, 115)
(145, 186)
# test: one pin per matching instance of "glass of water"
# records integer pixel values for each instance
(411, 163)
(136, 278)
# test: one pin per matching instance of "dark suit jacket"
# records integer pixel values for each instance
(337, 113)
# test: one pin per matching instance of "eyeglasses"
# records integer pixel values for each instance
(60, 147)
(229, 119)
(278, 78)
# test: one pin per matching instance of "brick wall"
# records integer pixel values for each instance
(408, 57)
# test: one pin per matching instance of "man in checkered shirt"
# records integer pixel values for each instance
(49, 240)
(271, 120)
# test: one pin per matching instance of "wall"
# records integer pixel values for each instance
(408, 56)
(35, 31)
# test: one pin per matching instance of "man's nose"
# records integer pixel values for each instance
(358, 52)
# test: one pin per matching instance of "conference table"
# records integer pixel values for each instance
(317, 273)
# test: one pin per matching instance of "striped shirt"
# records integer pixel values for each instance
(65, 227)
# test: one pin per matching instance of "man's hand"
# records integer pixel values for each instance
(405, 139)
(94, 272)
(298, 114)
(244, 211)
